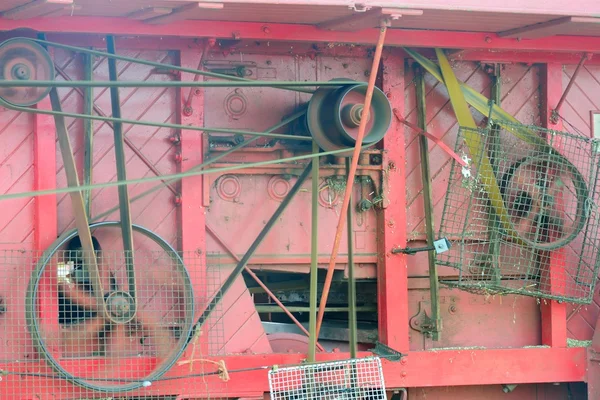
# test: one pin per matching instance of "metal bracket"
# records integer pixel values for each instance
(385, 351)
(439, 246)
(421, 322)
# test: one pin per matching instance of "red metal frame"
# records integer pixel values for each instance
(302, 33)
(418, 369)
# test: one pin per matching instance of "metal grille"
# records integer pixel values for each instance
(350, 379)
(545, 243)
(61, 341)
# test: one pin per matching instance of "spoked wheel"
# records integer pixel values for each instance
(546, 198)
(135, 335)
(24, 60)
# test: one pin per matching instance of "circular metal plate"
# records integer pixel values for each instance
(24, 60)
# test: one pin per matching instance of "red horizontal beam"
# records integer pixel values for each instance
(418, 369)
(526, 57)
(301, 33)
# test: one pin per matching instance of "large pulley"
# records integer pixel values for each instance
(334, 115)
(24, 60)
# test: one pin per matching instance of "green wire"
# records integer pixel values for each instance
(181, 175)
(152, 124)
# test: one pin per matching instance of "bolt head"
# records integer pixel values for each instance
(403, 374)
(187, 111)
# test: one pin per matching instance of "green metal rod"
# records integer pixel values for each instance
(246, 142)
(88, 132)
(155, 64)
(152, 124)
(352, 324)
(181, 175)
(170, 84)
(314, 258)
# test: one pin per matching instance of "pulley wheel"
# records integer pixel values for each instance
(137, 336)
(334, 115)
(24, 60)
(546, 199)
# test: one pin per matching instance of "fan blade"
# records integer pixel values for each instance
(78, 296)
(161, 337)
(84, 339)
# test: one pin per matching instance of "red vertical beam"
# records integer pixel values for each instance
(192, 219)
(45, 220)
(392, 272)
(554, 314)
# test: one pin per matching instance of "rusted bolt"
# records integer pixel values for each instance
(452, 309)
(403, 361)
(212, 42)
(391, 223)
(367, 73)
(388, 95)
(177, 200)
(187, 111)
(175, 139)
(266, 30)
(488, 39)
(197, 92)
(403, 374)
(178, 157)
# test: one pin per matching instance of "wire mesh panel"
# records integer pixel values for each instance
(350, 379)
(112, 325)
(522, 216)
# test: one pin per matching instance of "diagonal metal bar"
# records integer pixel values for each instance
(352, 324)
(81, 220)
(124, 205)
(253, 247)
(127, 141)
(260, 283)
(586, 56)
(207, 162)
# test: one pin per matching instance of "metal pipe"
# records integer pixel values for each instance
(214, 159)
(170, 84)
(428, 204)
(260, 283)
(585, 56)
(314, 258)
(352, 325)
(155, 64)
(351, 174)
(244, 261)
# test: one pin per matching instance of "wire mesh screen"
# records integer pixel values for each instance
(522, 216)
(114, 325)
(350, 379)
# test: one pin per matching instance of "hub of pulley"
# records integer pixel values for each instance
(23, 60)
(335, 113)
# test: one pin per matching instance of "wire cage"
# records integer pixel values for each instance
(140, 338)
(522, 215)
(358, 379)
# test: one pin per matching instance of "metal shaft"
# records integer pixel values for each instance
(170, 84)
(351, 174)
(261, 236)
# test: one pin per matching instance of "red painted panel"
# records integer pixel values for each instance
(521, 392)
(241, 204)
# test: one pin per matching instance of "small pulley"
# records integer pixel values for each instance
(24, 60)
(334, 115)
